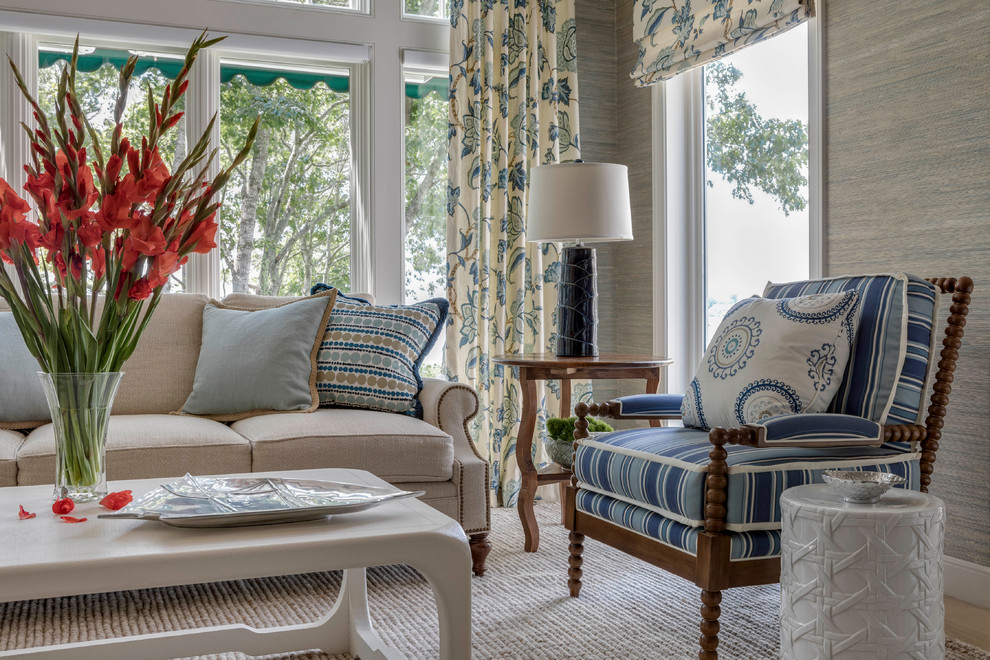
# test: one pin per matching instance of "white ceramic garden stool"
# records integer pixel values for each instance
(861, 581)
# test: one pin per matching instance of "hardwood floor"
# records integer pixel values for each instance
(968, 623)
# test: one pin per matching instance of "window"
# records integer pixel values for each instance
(97, 86)
(737, 181)
(426, 194)
(756, 171)
(286, 216)
(427, 8)
(302, 53)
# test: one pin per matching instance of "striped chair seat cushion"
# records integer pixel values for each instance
(887, 372)
(757, 544)
(664, 470)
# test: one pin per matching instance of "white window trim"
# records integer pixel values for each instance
(679, 208)
(377, 38)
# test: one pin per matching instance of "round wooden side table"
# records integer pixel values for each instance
(534, 367)
(861, 580)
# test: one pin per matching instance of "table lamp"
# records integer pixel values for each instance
(584, 203)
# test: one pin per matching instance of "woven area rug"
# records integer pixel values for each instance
(627, 608)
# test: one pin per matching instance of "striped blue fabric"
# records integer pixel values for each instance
(874, 366)
(743, 545)
(665, 469)
(643, 405)
(819, 428)
(908, 407)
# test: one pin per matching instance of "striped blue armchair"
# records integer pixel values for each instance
(704, 503)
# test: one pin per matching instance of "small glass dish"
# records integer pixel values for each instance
(861, 487)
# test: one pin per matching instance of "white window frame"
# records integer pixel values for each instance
(371, 43)
(679, 208)
(427, 64)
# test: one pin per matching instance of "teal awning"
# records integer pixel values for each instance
(255, 75)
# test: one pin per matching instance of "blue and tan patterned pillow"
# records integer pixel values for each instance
(371, 354)
(773, 357)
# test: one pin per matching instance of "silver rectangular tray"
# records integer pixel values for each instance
(241, 501)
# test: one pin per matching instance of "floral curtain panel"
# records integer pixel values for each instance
(513, 105)
(677, 35)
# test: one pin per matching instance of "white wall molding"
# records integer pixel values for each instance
(967, 581)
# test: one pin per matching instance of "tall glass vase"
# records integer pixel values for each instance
(80, 405)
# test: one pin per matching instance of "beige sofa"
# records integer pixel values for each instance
(434, 454)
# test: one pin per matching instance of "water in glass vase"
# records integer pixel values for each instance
(80, 405)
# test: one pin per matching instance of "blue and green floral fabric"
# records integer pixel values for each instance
(513, 105)
(677, 35)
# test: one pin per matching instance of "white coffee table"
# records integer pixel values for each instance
(45, 558)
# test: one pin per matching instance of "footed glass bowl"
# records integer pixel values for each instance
(861, 487)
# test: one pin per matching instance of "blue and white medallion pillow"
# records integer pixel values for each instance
(773, 357)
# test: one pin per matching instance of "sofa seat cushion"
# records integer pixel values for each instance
(397, 448)
(757, 544)
(664, 470)
(9, 443)
(145, 447)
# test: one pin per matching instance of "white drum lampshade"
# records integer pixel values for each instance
(583, 202)
(586, 203)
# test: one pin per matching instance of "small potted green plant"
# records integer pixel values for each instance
(560, 437)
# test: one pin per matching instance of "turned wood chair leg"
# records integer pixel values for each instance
(480, 547)
(710, 612)
(574, 561)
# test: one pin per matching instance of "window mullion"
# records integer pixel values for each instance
(202, 104)
(22, 48)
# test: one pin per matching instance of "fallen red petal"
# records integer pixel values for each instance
(118, 500)
(24, 515)
(71, 519)
(63, 506)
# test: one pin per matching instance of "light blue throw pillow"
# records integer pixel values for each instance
(259, 362)
(773, 357)
(22, 399)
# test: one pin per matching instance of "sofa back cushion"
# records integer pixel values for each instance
(251, 301)
(159, 375)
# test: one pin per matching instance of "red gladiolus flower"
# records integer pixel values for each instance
(84, 182)
(24, 515)
(63, 506)
(12, 207)
(99, 262)
(202, 237)
(146, 238)
(140, 290)
(70, 519)
(118, 500)
(115, 212)
(143, 185)
(90, 233)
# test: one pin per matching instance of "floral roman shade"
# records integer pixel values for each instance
(513, 105)
(677, 35)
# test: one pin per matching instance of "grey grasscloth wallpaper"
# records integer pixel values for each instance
(907, 188)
